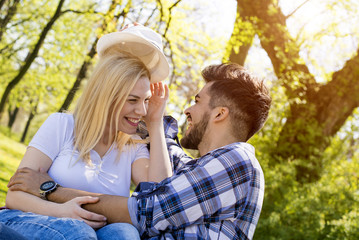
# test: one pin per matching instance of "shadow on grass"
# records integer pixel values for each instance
(4, 179)
(7, 168)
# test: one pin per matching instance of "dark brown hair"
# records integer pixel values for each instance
(246, 97)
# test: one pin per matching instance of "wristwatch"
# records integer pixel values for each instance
(47, 188)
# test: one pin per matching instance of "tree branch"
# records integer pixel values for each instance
(170, 17)
(295, 10)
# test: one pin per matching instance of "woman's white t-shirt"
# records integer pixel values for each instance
(106, 175)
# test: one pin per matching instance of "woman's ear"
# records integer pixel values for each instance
(221, 114)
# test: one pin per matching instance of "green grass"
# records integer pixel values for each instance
(11, 153)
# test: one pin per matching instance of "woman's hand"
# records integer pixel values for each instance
(157, 104)
(73, 209)
(158, 167)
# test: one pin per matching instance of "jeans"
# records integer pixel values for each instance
(34, 226)
(7, 233)
(118, 231)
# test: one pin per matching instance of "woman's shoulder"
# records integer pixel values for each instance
(63, 122)
(61, 117)
(53, 134)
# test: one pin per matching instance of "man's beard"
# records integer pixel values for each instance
(195, 136)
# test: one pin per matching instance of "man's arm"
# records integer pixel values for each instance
(114, 208)
(216, 187)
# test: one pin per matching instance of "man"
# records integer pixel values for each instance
(218, 195)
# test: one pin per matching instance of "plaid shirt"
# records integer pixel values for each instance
(217, 196)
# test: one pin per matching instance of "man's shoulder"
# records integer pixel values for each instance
(233, 156)
(237, 149)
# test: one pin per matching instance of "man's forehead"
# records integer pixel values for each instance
(204, 91)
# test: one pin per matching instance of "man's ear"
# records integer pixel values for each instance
(221, 114)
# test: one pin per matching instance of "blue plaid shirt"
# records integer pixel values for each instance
(217, 196)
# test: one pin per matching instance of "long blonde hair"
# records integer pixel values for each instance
(114, 76)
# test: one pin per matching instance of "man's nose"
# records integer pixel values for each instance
(187, 111)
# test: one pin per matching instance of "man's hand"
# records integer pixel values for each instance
(73, 209)
(28, 180)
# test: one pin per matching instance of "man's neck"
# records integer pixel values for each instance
(210, 143)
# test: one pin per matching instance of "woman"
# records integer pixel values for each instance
(96, 149)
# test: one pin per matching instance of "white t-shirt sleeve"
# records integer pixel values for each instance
(141, 150)
(53, 133)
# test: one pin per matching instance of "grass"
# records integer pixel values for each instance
(11, 153)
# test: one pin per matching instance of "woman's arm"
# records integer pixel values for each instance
(36, 160)
(158, 167)
(113, 207)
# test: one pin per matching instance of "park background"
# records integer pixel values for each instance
(306, 50)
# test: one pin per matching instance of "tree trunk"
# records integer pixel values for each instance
(29, 120)
(317, 111)
(2, 2)
(241, 39)
(6, 19)
(80, 76)
(30, 58)
(12, 117)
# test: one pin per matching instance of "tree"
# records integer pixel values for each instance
(317, 110)
(31, 57)
(110, 16)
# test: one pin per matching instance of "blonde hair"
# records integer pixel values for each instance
(110, 84)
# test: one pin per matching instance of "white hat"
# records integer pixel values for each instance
(143, 43)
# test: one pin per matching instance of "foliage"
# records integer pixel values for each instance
(326, 209)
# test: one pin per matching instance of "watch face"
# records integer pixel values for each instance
(47, 185)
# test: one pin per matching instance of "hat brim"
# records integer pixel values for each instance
(148, 53)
